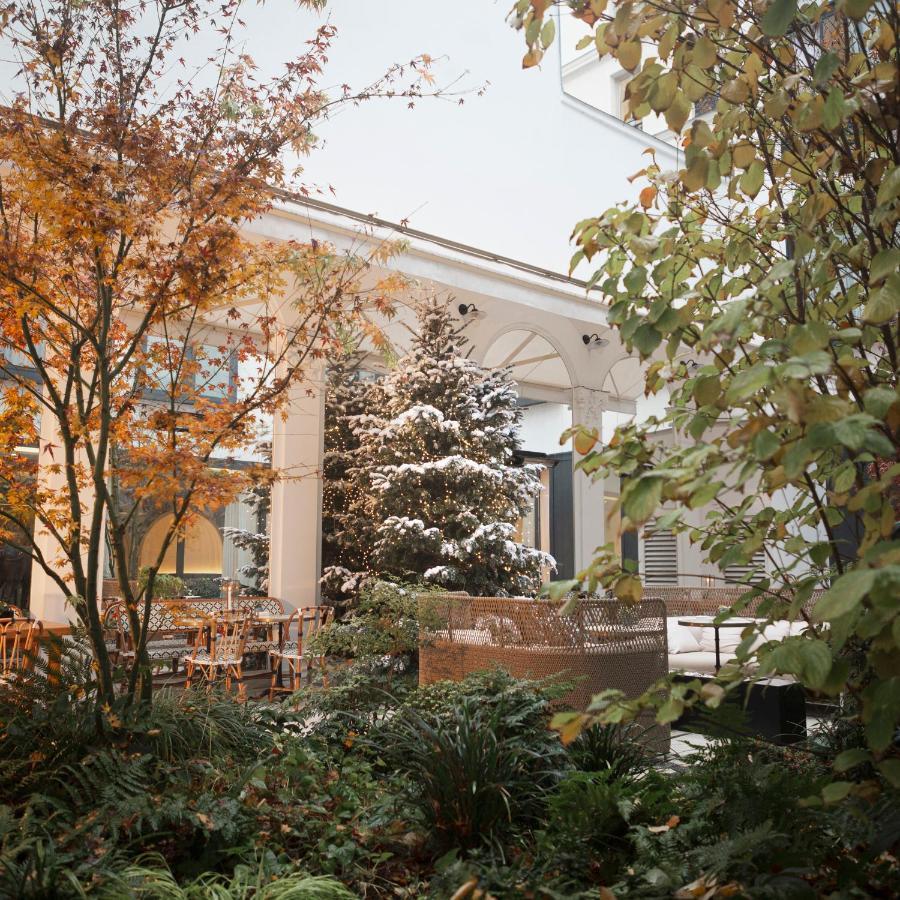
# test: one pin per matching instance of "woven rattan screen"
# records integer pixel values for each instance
(600, 644)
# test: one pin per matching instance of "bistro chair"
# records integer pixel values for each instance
(225, 655)
(310, 621)
(19, 645)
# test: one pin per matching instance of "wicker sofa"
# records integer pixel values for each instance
(692, 650)
(601, 644)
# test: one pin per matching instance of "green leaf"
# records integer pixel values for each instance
(884, 263)
(857, 9)
(752, 179)
(641, 498)
(849, 759)
(748, 381)
(704, 54)
(678, 112)
(889, 187)
(890, 768)
(556, 590)
(629, 54)
(878, 400)
(778, 17)
(826, 65)
(646, 339)
(835, 109)
(844, 595)
(707, 389)
(765, 444)
(807, 658)
(884, 303)
(836, 791)
(548, 32)
(670, 711)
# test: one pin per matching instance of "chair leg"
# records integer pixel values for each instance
(276, 663)
(188, 675)
(242, 688)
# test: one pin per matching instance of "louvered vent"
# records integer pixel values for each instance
(747, 574)
(660, 557)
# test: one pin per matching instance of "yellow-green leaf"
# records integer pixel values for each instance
(752, 179)
(678, 112)
(629, 54)
(884, 303)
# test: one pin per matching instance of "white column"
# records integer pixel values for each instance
(587, 494)
(295, 524)
(47, 601)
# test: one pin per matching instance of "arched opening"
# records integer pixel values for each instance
(545, 395)
(199, 552)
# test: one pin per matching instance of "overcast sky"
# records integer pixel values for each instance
(510, 172)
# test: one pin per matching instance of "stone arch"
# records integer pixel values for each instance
(534, 354)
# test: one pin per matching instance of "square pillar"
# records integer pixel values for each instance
(587, 494)
(295, 522)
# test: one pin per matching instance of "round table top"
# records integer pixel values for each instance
(710, 622)
(271, 617)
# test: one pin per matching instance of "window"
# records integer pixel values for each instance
(660, 557)
(748, 573)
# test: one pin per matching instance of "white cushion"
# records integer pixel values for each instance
(681, 638)
(729, 638)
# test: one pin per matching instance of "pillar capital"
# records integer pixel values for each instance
(588, 405)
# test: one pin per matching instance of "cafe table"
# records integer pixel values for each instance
(710, 622)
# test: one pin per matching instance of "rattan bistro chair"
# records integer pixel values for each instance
(19, 645)
(310, 621)
(225, 656)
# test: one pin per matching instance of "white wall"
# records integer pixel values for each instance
(542, 426)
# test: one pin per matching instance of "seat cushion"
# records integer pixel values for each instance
(681, 638)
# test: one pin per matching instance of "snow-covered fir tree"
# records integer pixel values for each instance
(446, 492)
(347, 528)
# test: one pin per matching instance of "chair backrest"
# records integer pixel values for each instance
(310, 621)
(232, 637)
(18, 645)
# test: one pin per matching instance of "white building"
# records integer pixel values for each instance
(485, 195)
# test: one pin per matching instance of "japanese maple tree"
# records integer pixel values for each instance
(140, 321)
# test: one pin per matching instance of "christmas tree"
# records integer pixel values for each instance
(446, 492)
(347, 529)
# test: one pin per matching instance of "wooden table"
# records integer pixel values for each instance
(710, 622)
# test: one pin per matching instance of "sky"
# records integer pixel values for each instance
(509, 172)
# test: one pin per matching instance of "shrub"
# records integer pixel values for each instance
(474, 758)
(611, 749)
(382, 632)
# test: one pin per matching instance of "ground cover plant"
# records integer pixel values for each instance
(372, 790)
